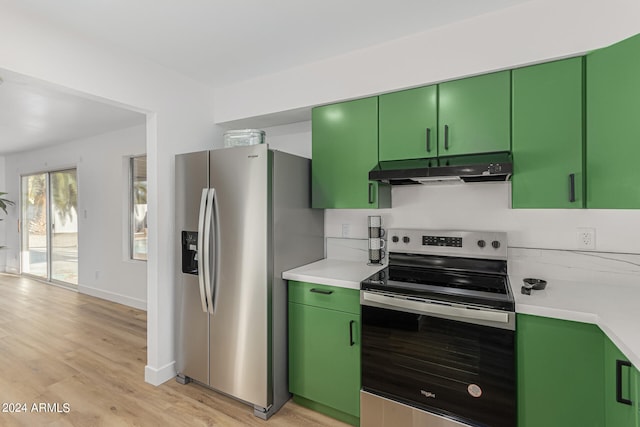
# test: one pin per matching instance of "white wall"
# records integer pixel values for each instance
(293, 138)
(104, 268)
(531, 32)
(486, 206)
(179, 118)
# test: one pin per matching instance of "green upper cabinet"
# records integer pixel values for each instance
(637, 388)
(613, 134)
(475, 115)
(560, 373)
(548, 138)
(344, 150)
(408, 124)
(617, 412)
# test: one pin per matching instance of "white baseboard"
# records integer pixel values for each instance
(11, 270)
(111, 296)
(161, 375)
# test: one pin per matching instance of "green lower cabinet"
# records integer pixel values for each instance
(548, 135)
(618, 413)
(324, 353)
(560, 373)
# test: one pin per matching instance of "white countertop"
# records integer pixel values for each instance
(614, 308)
(602, 289)
(334, 272)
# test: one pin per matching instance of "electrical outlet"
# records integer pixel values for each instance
(586, 238)
(346, 229)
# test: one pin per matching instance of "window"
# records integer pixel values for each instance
(138, 187)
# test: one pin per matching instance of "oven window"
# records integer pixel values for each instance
(456, 369)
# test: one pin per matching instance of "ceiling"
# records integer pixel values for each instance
(34, 114)
(217, 42)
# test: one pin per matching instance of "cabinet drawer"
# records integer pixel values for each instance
(331, 297)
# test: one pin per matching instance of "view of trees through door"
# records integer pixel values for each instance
(50, 226)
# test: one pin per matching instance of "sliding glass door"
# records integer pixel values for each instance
(64, 226)
(35, 236)
(50, 226)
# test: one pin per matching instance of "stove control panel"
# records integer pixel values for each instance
(442, 241)
(470, 244)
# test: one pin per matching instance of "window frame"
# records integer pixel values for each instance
(131, 234)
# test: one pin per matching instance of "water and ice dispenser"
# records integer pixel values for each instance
(190, 252)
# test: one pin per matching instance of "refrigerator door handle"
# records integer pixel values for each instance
(215, 256)
(208, 284)
(202, 253)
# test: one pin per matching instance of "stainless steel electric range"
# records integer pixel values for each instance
(438, 332)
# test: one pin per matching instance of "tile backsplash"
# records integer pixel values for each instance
(347, 249)
(487, 207)
(603, 268)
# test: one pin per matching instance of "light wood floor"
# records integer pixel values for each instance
(61, 347)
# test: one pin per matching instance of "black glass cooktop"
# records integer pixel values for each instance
(451, 284)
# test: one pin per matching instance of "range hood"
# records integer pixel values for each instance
(496, 166)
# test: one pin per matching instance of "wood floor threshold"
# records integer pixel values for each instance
(70, 359)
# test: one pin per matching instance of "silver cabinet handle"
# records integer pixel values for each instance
(201, 249)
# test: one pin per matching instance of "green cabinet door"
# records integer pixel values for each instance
(324, 360)
(547, 141)
(344, 150)
(636, 379)
(619, 414)
(636, 384)
(408, 124)
(613, 134)
(475, 115)
(560, 373)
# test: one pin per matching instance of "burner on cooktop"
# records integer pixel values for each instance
(447, 279)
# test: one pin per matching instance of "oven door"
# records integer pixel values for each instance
(451, 367)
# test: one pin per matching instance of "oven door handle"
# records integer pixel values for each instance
(426, 307)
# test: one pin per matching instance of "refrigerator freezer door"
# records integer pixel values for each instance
(240, 356)
(192, 345)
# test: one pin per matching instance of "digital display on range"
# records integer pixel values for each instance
(455, 242)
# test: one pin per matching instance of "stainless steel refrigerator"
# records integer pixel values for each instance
(243, 216)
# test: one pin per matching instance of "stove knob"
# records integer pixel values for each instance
(495, 244)
(395, 239)
(482, 243)
(406, 239)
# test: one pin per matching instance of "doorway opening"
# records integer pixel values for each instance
(49, 222)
